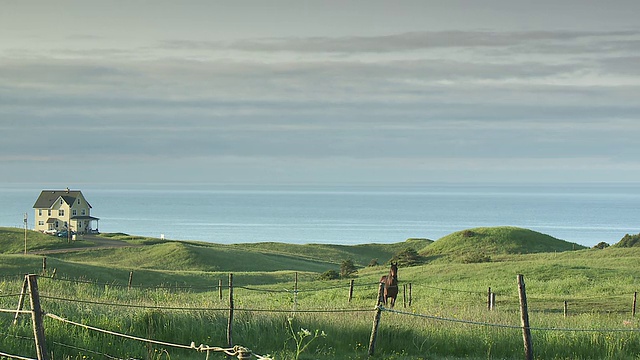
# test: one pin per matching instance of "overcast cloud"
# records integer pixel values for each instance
(320, 92)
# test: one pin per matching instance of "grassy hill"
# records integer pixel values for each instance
(135, 252)
(628, 241)
(12, 241)
(495, 241)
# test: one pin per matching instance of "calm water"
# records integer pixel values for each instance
(585, 214)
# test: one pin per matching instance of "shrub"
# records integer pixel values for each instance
(601, 245)
(468, 233)
(347, 268)
(330, 275)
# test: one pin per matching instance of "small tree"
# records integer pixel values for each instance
(408, 257)
(347, 268)
(373, 262)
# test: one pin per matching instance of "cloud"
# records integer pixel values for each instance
(414, 102)
(409, 41)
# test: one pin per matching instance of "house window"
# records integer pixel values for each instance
(48, 212)
(75, 212)
(79, 224)
(57, 224)
(84, 212)
(39, 212)
(78, 201)
(60, 201)
(40, 223)
(61, 212)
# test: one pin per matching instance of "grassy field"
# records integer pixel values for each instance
(175, 298)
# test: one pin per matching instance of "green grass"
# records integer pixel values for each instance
(12, 241)
(598, 285)
(495, 241)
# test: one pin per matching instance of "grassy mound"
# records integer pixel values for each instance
(12, 241)
(481, 243)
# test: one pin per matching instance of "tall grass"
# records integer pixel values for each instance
(182, 316)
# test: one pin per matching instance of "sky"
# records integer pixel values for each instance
(319, 92)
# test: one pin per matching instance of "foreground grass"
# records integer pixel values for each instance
(598, 284)
(447, 318)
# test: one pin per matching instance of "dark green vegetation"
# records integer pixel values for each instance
(449, 280)
(629, 241)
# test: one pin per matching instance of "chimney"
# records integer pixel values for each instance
(67, 189)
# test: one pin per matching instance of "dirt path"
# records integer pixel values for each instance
(100, 243)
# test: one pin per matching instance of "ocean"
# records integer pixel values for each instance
(582, 213)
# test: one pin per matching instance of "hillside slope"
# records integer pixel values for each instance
(496, 241)
(12, 241)
(129, 252)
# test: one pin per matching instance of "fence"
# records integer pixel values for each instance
(30, 287)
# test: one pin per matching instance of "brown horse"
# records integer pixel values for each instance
(390, 282)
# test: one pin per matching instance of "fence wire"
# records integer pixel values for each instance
(471, 322)
(156, 307)
(239, 351)
(212, 287)
(15, 356)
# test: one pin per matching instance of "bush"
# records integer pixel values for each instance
(601, 245)
(330, 275)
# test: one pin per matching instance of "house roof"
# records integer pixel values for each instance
(48, 197)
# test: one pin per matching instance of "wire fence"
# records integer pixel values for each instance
(240, 351)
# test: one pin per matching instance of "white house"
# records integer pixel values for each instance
(57, 210)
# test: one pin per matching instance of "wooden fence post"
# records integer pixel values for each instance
(489, 299)
(493, 301)
(376, 320)
(566, 308)
(230, 323)
(220, 288)
(524, 312)
(410, 296)
(44, 265)
(130, 279)
(351, 290)
(633, 310)
(36, 317)
(404, 295)
(295, 293)
(23, 293)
